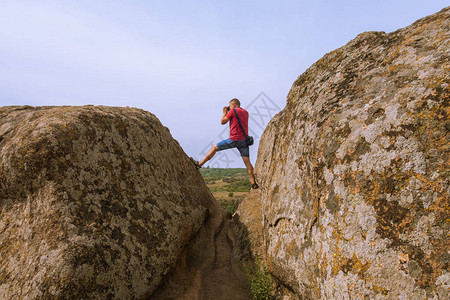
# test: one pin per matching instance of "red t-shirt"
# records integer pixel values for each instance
(236, 133)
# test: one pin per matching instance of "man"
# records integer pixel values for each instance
(236, 140)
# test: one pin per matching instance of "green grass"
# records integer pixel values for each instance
(220, 173)
(236, 179)
(238, 186)
(261, 283)
(228, 204)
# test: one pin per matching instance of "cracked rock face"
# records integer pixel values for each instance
(355, 170)
(96, 202)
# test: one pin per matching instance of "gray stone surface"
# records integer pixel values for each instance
(354, 171)
(95, 202)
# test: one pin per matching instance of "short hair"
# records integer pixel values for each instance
(236, 102)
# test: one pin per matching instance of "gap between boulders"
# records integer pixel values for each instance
(208, 268)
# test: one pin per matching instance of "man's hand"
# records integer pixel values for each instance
(224, 119)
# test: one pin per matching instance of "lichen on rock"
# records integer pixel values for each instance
(354, 170)
(96, 202)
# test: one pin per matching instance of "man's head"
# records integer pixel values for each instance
(235, 103)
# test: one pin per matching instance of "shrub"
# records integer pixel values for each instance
(228, 204)
(261, 284)
(230, 194)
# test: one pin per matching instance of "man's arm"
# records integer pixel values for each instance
(224, 119)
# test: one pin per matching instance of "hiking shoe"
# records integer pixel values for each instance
(255, 186)
(196, 164)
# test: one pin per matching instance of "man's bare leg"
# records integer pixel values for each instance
(249, 167)
(209, 155)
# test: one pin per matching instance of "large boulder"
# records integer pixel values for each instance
(355, 170)
(95, 202)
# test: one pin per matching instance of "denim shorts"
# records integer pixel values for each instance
(240, 145)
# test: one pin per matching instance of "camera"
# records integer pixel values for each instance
(228, 108)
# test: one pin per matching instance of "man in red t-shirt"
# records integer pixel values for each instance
(236, 140)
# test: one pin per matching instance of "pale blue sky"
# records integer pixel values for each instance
(181, 60)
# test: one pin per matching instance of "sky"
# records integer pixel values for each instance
(181, 60)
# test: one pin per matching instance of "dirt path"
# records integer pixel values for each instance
(224, 279)
(208, 269)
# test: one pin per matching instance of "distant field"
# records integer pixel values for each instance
(229, 186)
